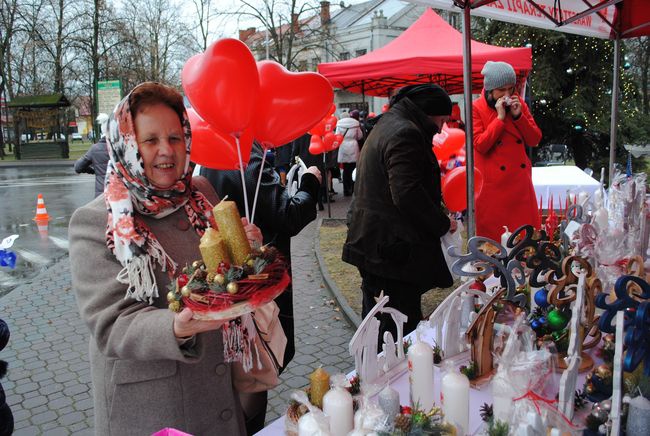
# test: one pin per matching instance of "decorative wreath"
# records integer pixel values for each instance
(231, 290)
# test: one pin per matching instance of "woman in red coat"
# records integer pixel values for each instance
(503, 127)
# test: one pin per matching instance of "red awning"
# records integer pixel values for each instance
(635, 18)
(429, 51)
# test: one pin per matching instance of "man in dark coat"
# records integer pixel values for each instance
(279, 217)
(95, 159)
(397, 218)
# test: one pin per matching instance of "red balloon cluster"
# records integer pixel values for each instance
(235, 97)
(454, 188)
(323, 136)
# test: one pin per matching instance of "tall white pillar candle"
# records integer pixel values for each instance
(420, 365)
(454, 396)
(337, 404)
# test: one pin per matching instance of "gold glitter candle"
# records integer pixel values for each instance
(318, 387)
(232, 231)
(213, 249)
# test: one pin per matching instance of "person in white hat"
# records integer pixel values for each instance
(503, 128)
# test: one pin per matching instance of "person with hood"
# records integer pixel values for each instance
(397, 218)
(96, 158)
(349, 149)
(503, 128)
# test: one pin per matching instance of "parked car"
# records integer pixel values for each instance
(77, 137)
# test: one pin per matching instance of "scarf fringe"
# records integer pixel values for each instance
(139, 275)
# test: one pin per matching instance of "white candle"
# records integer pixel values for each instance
(502, 394)
(454, 396)
(308, 426)
(420, 365)
(504, 238)
(337, 404)
(389, 402)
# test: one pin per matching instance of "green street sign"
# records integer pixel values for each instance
(109, 94)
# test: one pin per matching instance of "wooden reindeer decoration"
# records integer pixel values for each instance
(563, 293)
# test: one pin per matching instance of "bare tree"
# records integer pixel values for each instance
(294, 28)
(157, 42)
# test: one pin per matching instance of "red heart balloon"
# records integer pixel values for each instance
(289, 103)
(222, 84)
(330, 124)
(451, 145)
(316, 145)
(214, 149)
(454, 188)
(318, 129)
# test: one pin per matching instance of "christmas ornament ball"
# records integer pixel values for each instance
(232, 288)
(220, 279)
(185, 291)
(541, 298)
(175, 306)
(171, 296)
(557, 320)
(603, 371)
(535, 324)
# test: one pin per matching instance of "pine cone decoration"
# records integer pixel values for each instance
(487, 412)
(403, 423)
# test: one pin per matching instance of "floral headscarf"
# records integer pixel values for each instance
(127, 189)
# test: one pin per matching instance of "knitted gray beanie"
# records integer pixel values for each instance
(497, 75)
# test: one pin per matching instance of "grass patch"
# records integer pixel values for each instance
(346, 276)
(76, 150)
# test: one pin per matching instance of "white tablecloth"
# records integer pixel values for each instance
(555, 181)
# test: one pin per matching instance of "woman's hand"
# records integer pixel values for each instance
(515, 107)
(185, 326)
(253, 233)
(500, 106)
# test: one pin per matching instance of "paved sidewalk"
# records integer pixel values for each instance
(48, 384)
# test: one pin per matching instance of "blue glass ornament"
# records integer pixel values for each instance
(541, 298)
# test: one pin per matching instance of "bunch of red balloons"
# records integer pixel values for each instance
(323, 135)
(449, 148)
(236, 99)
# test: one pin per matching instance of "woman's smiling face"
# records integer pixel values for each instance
(161, 144)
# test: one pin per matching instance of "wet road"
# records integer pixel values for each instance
(63, 192)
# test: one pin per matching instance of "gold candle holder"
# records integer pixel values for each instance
(232, 231)
(318, 387)
(213, 249)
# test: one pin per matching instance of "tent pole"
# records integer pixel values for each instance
(614, 118)
(469, 134)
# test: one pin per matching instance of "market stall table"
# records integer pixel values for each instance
(401, 384)
(556, 181)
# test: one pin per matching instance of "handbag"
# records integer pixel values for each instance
(268, 343)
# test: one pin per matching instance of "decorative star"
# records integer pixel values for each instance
(379, 297)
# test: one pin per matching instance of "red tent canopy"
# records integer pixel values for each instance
(635, 18)
(430, 51)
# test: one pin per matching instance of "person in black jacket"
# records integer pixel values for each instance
(300, 148)
(279, 217)
(397, 217)
(6, 417)
(95, 159)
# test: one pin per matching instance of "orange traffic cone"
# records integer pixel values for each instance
(41, 212)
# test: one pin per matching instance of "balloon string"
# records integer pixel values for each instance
(259, 181)
(243, 179)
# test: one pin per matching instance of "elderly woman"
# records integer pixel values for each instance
(151, 368)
